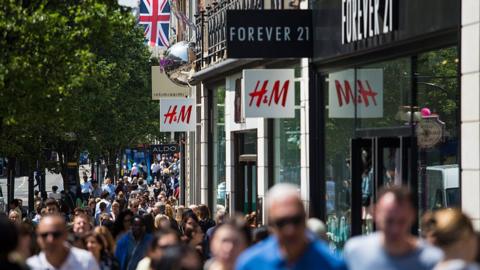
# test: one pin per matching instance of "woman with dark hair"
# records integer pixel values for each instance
(192, 232)
(97, 245)
(189, 219)
(178, 257)
(205, 221)
(122, 223)
(149, 223)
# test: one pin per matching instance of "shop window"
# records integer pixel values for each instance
(219, 174)
(287, 143)
(434, 84)
(287, 150)
(438, 97)
(383, 94)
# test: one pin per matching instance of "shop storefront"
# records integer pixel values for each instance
(385, 108)
(248, 155)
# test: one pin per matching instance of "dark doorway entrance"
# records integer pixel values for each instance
(245, 181)
(247, 178)
(378, 162)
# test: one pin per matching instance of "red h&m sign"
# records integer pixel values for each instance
(269, 93)
(362, 92)
(177, 114)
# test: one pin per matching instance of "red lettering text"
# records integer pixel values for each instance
(346, 93)
(183, 115)
(170, 116)
(277, 95)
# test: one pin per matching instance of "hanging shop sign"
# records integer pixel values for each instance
(177, 114)
(363, 91)
(164, 148)
(269, 33)
(430, 131)
(163, 87)
(268, 93)
(362, 19)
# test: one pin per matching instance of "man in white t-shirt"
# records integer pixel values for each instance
(54, 194)
(56, 253)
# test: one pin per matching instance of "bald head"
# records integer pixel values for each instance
(281, 193)
(52, 220)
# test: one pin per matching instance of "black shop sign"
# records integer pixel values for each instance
(269, 33)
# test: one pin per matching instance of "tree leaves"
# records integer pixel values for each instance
(72, 67)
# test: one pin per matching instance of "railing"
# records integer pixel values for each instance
(211, 25)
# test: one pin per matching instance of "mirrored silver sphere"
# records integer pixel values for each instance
(178, 62)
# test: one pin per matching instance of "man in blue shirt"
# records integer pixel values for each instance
(291, 246)
(109, 187)
(132, 246)
(86, 188)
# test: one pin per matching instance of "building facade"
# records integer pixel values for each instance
(390, 97)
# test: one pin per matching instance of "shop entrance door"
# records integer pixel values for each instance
(377, 162)
(245, 180)
(247, 183)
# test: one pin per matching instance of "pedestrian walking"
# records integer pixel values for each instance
(133, 246)
(109, 187)
(291, 246)
(205, 221)
(178, 257)
(163, 239)
(392, 246)
(10, 239)
(452, 231)
(97, 191)
(97, 245)
(107, 235)
(54, 194)
(104, 199)
(86, 188)
(56, 253)
(227, 242)
(122, 224)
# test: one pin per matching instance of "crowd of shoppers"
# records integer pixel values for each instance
(123, 225)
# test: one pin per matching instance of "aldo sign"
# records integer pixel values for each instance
(269, 33)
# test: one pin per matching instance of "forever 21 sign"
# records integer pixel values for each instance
(362, 19)
(269, 33)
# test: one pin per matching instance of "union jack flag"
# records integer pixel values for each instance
(155, 18)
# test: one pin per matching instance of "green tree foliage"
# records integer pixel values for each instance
(74, 76)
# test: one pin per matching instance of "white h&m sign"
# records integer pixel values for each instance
(366, 93)
(268, 93)
(177, 114)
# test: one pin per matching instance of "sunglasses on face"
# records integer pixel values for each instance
(55, 234)
(294, 220)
